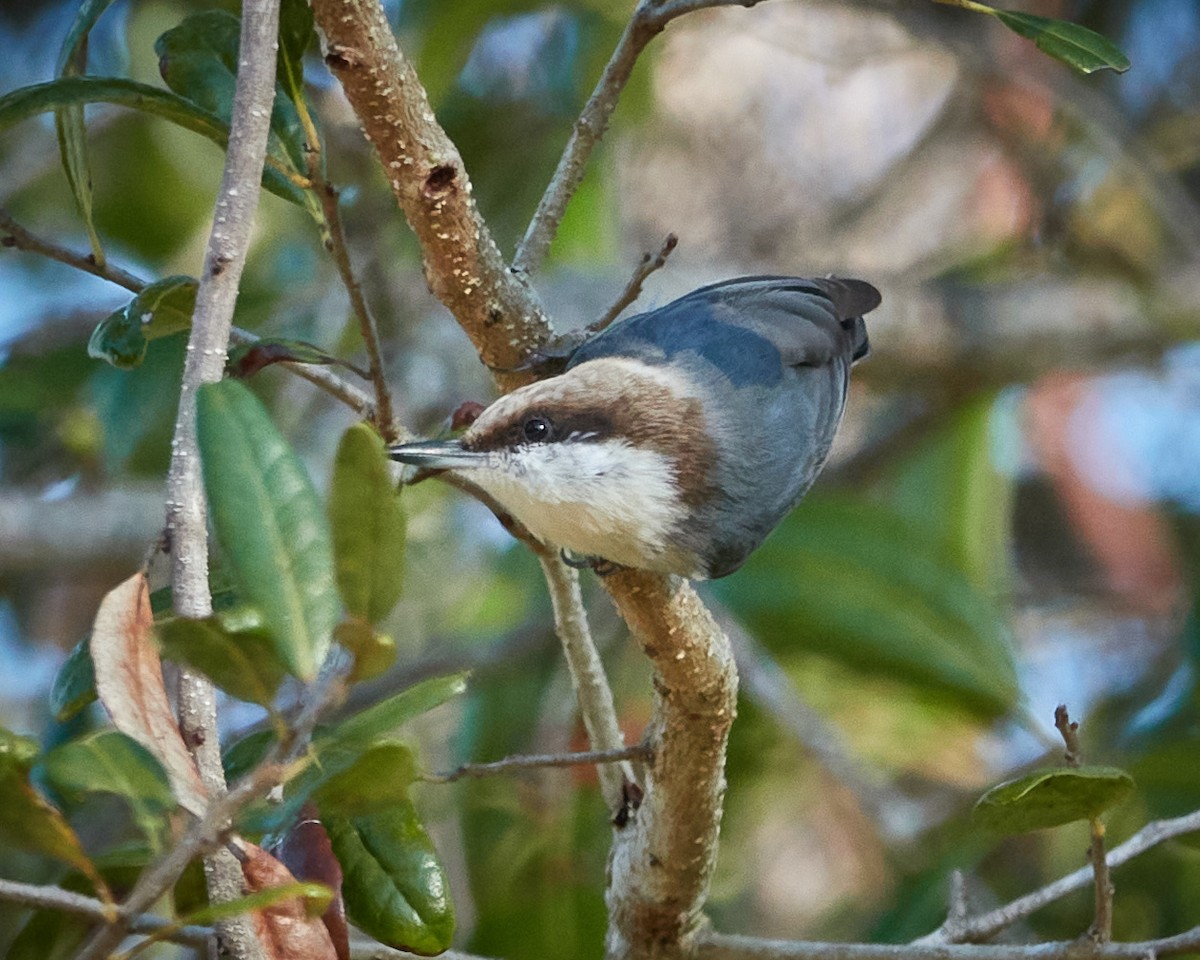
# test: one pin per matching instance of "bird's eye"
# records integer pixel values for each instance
(538, 429)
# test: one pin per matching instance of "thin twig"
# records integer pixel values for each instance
(1102, 924)
(1069, 732)
(649, 19)
(56, 898)
(717, 946)
(592, 691)
(12, 234)
(335, 243)
(988, 924)
(534, 761)
(633, 289)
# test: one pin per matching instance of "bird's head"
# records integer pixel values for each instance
(606, 460)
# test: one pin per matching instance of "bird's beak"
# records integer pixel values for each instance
(437, 455)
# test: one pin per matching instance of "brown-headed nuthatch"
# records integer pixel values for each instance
(675, 440)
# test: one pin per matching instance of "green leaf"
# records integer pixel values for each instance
(1048, 798)
(394, 885)
(367, 521)
(49, 935)
(247, 359)
(161, 309)
(246, 753)
(27, 819)
(1075, 45)
(855, 582)
(74, 684)
(374, 652)
(950, 486)
(296, 35)
(30, 101)
(198, 60)
(269, 522)
(381, 719)
(111, 762)
(236, 654)
(377, 780)
(69, 121)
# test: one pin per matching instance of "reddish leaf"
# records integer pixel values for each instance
(307, 852)
(248, 358)
(129, 683)
(284, 929)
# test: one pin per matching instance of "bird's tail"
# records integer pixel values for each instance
(862, 344)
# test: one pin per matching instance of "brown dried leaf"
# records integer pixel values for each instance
(307, 852)
(284, 929)
(129, 682)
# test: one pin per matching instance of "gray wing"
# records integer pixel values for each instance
(749, 327)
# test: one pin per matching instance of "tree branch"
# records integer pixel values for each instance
(463, 266)
(56, 898)
(650, 18)
(537, 761)
(592, 692)
(208, 344)
(633, 289)
(662, 861)
(12, 234)
(716, 946)
(988, 924)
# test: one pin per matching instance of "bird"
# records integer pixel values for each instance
(675, 440)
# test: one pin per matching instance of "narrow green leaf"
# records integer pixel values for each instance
(49, 935)
(1048, 798)
(161, 309)
(269, 522)
(246, 753)
(26, 102)
(74, 684)
(111, 762)
(240, 658)
(1075, 45)
(377, 780)
(296, 35)
(69, 121)
(394, 885)
(27, 819)
(374, 652)
(386, 716)
(367, 521)
(85, 18)
(316, 898)
(198, 60)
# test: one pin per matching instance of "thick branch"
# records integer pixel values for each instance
(662, 861)
(463, 266)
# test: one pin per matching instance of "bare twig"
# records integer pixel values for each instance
(958, 908)
(12, 234)
(649, 19)
(592, 692)
(1068, 730)
(988, 924)
(1102, 924)
(537, 761)
(716, 946)
(56, 898)
(384, 418)
(633, 289)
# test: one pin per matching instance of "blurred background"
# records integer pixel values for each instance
(1009, 520)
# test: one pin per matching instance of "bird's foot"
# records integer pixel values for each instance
(600, 566)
